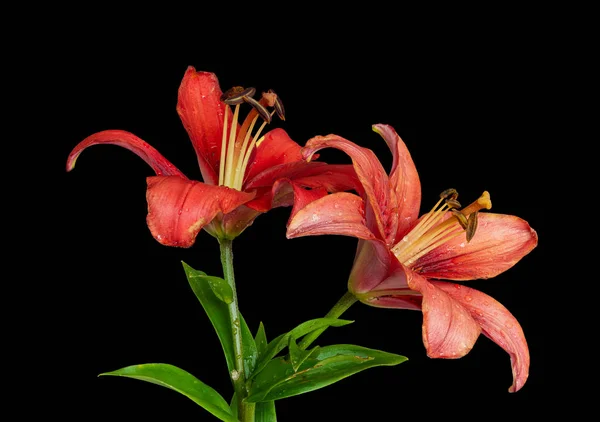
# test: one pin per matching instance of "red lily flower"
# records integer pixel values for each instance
(238, 167)
(400, 257)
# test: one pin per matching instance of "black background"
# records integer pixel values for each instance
(464, 107)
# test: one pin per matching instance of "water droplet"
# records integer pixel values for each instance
(315, 217)
(468, 298)
(462, 245)
(180, 211)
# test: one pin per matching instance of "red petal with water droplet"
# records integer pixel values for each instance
(339, 213)
(449, 331)
(499, 243)
(179, 208)
(201, 110)
(286, 193)
(381, 203)
(404, 179)
(160, 165)
(498, 324)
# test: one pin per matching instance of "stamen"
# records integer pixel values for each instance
(236, 95)
(449, 194)
(223, 149)
(242, 152)
(230, 148)
(264, 113)
(472, 226)
(278, 106)
(249, 151)
(453, 203)
(462, 220)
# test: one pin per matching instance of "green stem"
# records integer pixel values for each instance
(338, 309)
(238, 376)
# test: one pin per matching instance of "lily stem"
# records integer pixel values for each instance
(338, 309)
(238, 375)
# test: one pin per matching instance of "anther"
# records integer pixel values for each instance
(449, 194)
(471, 226)
(462, 220)
(278, 106)
(264, 113)
(453, 203)
(237, 95)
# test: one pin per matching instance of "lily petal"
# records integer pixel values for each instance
(499, 243)
(340, 213)
(179, 208)
(373, 264)
(277, 148)
(404, 179)
(449, 330)
(160, 165)
(201, 111)
(286, 193)
(498, 324)
(381, 203)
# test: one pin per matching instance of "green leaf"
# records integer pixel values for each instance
(261, 340)
(181, 381)
(279, 343)
(328, 365)
(265, 412)
(297, 355)
(218, 313)
(249, 347)
(220, 288)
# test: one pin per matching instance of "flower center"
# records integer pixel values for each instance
(237, 145)
(433, 230)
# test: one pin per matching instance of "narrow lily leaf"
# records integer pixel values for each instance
(263, 412)
(181, 381)
(297, 355)
(250, 353)
(328, 365)
(220, 288)
(279, 343)
(218, 313)
(260, 340)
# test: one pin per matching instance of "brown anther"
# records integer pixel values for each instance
(471, 226)
(449, 194)
(462, 220)
(264, 113)
(278, 106)
(453, 203)
(236, 95)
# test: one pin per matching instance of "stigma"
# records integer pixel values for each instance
(444, 222)
(238, 141)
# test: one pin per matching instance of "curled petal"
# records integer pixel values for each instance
(160, 165)
(499, 243)
(381, 203)
(498, 324)
(339, 213)
(449, 330)
(404, 179)
(286, 192)
(373, 265)
(396, 302)
(179, 208)
(277, 148)
(201, 111)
